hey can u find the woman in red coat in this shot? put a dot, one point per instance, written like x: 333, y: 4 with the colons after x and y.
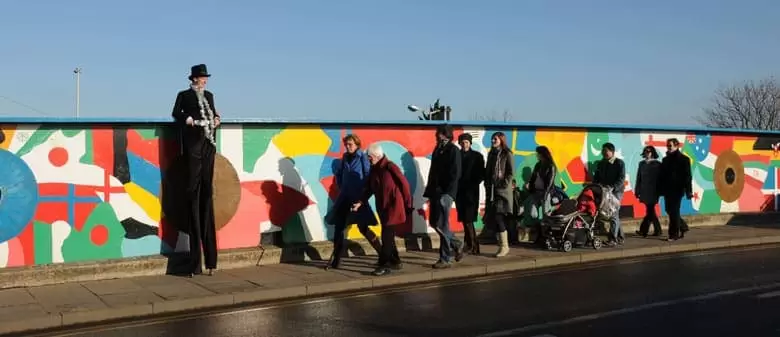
x: 393, y: 201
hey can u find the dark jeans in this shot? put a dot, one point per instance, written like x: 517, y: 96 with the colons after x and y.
x: 673, y: 204
x: 388, y: 255
x: 200, y: 161
x: 650, y: 217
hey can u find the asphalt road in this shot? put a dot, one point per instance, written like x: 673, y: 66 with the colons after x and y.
x: 729, y: 293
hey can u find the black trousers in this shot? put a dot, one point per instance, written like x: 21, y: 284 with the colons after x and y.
x: 499, y: 220
x: 673, y: 204
x: 650, y: 217
x: 340, y: 238
x: 200, y: 155
x: 388, y: 255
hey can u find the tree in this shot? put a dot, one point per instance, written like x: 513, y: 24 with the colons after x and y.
x: 750, y: 105
x: 506, y: 116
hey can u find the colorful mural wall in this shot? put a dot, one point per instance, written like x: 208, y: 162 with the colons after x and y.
x: 80, y: 192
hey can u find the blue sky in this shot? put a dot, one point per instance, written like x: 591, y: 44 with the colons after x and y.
x: 628, y: 62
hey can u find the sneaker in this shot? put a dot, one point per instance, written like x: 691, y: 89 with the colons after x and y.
x: 442, y: 265
x: 381, y: 271
x: 459, y: 254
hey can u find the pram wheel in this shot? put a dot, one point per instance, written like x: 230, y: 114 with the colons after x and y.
x: 596, y: 243
x: 566, y: 246
x: 548, y: 244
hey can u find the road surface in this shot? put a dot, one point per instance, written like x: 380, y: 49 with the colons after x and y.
x: 722, y: 293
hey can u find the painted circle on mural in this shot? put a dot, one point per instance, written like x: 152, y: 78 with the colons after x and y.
x: 227, y: 191
x: 58, y: 156
x: 19, y: 198
x: 99, y: 235
x: 729, y: 176
x: 226, y: 194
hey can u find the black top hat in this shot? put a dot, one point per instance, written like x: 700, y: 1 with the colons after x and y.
x: 199, y: 70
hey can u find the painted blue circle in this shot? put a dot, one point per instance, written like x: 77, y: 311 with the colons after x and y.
x: 18, y: 195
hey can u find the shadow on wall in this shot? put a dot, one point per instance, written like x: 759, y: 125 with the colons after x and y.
x: 283, y: 201
x: 174, y: 200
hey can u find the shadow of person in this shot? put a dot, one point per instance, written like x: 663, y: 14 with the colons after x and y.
x: 282, y: 200
x: 173, y: 199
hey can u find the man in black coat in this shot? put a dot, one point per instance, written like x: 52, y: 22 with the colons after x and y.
x: 195, y: 114
x: 675, y: 181
x: 467, y: 200
x: 441, y: 191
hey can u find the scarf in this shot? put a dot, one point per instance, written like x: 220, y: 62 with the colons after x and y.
x: 207, y: 115
x: 500, y: 165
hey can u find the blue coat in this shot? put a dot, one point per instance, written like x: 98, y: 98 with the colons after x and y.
x: 351, y: 178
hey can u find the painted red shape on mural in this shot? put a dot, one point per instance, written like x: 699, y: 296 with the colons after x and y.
x: 147, y: 149
x: 419, y: 141
x: 27, y: 241
x: 282, y: 201
x: 99, y: 235
x: 329, y: 183
x: 719, y: 144
x: 103, y: 149
x: 58, y: 156
x: 577, y: 171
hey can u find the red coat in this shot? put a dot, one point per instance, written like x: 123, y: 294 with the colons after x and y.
x: 391, y: 192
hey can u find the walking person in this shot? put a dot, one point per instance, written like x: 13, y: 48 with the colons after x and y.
x: 195, y: 114
x: 441, y: 191
x: 540, y: 187
x: 675, y: 181
x: 499, y: 201
x: 611, y: 171
x: 646, y: 190
x: 351, y: 177
x: 393, y: 200
x: 467, y: 200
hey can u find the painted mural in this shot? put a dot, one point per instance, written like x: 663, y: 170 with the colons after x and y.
x: 76, y: 193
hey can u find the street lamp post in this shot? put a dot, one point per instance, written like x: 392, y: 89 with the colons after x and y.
x: 77, y: 71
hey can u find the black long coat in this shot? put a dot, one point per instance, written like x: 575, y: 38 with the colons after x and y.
x: 472, y: 175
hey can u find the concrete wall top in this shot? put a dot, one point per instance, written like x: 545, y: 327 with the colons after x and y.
x: 487, y: 124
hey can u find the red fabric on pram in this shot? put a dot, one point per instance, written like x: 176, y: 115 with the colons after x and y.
x: 586, y: 203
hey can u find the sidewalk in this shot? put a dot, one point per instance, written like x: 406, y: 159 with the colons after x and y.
x: 84, y: 302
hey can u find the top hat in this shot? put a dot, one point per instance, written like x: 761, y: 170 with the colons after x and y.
x: 199, y: 70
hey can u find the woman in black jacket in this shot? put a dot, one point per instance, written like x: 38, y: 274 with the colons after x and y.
x: 539, y: 186
x: 467, y: 201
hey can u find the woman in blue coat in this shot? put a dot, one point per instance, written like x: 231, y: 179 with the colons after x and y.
x: 351, y: 177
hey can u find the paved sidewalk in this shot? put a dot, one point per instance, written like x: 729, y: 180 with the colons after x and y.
x: 49, y: 306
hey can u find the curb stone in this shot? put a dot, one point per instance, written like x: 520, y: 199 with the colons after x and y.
x: 264, y: 295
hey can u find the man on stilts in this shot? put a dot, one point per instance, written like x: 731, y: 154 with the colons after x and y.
x: 198, y: 119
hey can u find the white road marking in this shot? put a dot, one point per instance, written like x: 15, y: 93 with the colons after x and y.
x: 605, y: 314
x: 769, y: 294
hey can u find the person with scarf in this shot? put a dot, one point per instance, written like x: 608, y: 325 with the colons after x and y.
x: 441, y: 191
x: 351, y: 176
x: 675, y: 182
x: 467, y: 201
x: 198, y: 119
x: 499, y: 200
x: 540, y: 187
x: 646, y: 190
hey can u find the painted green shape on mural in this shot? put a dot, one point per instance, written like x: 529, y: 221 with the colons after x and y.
x: 79, y: 245
x: 572, y: 189
x: 43, y: 241
x: 594, y: 141
x: 88, y: 157
x: 255, y: 142
x: 41, y: 136
x: 710, y: 202
x: 292, y: 231
x: 147, y: 133
x: 705, y: 172
x: 524, y: 167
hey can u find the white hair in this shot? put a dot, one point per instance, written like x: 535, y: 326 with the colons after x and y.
x: 375, y: 150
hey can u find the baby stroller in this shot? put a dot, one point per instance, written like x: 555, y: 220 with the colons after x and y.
x: 567, y: 226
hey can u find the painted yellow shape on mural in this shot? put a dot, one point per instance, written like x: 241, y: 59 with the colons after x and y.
x: 354, y: 232
x: 745, y: 147
x: 300, y: 140
x: 146, y: 200
x: 564, y: 145
x: 8, y: 132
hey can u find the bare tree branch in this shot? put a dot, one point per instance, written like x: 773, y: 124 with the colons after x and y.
x: 751, y: 105
x: 506, y: 116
